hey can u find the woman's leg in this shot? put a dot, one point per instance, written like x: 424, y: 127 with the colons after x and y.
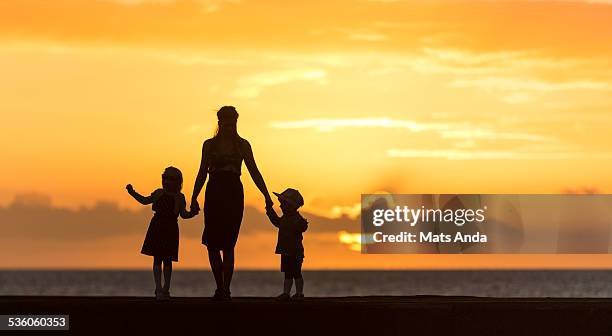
x: 228, y: 268
x: 216, y: 265
x: 157, y: 261
x: 167, y: 274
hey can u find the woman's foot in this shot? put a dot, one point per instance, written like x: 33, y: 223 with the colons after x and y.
x: 283, y: 297
x: 220, y: 295
x: 159, y: 294
x: 165, y: 295
x: 298, y: 297
x: 162, y: 295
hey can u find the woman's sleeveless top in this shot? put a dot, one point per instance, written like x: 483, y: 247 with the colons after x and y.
x: 219, y: 161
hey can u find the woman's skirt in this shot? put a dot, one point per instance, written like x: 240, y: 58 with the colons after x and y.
x: 162, y: 239
x: 223, y: 208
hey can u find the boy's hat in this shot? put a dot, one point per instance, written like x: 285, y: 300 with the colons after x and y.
x: 291, y: 196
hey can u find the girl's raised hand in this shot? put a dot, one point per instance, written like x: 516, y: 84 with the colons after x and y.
x: 129, y: 188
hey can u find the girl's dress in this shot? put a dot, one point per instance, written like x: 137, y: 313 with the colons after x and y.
x: 223, y: 200
x: 162, y: 239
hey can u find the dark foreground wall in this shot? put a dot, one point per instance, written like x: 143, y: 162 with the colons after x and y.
x: 322, y: 316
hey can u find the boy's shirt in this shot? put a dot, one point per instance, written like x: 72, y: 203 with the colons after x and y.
x: 290, y: 229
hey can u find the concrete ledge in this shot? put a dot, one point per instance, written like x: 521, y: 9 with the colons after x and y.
x: 324, y: 316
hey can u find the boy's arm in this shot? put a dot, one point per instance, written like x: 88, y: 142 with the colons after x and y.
x: 273, y: 216
x: 144, y: 200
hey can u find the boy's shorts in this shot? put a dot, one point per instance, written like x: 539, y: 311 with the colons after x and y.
x: 291, y: 265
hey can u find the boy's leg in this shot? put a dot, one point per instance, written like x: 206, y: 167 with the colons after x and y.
x: 167, y: 274
x: 157, y: 273
x: 299, y: 281
x: 286, y: 269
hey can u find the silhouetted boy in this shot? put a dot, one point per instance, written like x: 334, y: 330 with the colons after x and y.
x: 289, y: 245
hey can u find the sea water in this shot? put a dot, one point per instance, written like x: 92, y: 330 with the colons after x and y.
x: 200, y: 283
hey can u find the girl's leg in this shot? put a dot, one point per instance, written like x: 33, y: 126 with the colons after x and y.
x: 288, y: 283
x: 228, y: 269
x: 167, y: 274
x: 216, y: 265
x: 157, y: 273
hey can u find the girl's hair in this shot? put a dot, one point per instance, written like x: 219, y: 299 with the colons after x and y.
x: 173, y: 179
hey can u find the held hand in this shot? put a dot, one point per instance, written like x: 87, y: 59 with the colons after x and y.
x: 195, y: 206
x: 193, y: 212
x: 269, y: 203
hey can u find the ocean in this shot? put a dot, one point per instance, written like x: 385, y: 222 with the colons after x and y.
x: 317, y: 283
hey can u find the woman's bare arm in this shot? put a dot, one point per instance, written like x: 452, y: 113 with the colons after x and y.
x: 201, y: 177
x: 183, y: 211
x: 249, y: 161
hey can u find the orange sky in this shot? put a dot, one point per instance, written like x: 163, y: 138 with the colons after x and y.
x: 338, y: 98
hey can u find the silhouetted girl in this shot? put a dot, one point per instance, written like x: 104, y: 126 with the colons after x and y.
x: 222, y: 158
x: 162, y: 239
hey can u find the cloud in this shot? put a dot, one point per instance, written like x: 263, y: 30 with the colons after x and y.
x: 33, y: 217
x: 447, y: 130
x: 608, y: 2
x: 208, y: 5
x: 469, y: 62
x: 251, y: 86
x: 518, y: 84
x: 140, y: 2
x: 469, y: 58
x: 254, y: 25
x: 456, y: 154
x: 352, y: 211
x: 515, y: 76
x: 36, y: 234
x: 333, y: 124
x: 369, y: 37
x: 517, y: 90
x: 353, y: 240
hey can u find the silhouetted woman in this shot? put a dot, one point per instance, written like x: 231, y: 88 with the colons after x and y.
x: 222, y: 157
